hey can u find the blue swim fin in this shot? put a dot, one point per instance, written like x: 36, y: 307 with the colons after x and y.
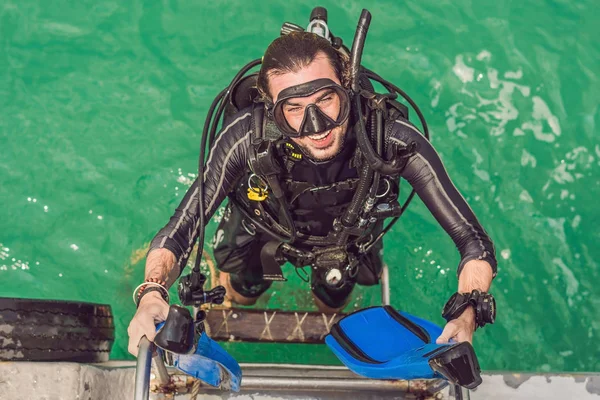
x: 205, y: 359
x: 381, y: 343
x: 211, y: 364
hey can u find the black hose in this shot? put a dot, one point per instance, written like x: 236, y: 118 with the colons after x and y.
x: 365, y: 175
x: 364, y: 183
x: 373, y: 159
x: 211, y: 124
x: 228, y: 90
x: 393, y: 88
x: 392, y: 222
x: 377, y: 131
x: 200, y: 178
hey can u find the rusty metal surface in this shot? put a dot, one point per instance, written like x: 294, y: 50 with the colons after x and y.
x: 272, y: 377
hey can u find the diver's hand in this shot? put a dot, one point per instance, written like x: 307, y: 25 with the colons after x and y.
x: 460, y: 329
x: 152, y: 310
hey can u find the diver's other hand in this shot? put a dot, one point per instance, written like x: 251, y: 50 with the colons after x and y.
x: 152, y: 310
x: 460, y: 329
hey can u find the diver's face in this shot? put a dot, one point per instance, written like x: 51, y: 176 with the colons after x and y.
x: 321, y: 146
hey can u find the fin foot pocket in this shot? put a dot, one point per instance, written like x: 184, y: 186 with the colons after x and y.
x: 458, y: 364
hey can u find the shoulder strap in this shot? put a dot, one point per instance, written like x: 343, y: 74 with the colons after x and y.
x: 258, y: 113
x: 397, y: 109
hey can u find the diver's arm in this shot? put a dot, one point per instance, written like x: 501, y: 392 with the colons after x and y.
x: 152, y: 308
x: 160, y: 265
x: 476, y: 274
x: 171, y: 247
x: 426, y: 173
x: 226, y: 163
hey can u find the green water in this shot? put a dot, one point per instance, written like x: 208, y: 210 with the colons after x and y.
x: 102, y: 104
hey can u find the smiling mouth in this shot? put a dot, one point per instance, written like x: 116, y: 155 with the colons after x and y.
x: 320, y: 137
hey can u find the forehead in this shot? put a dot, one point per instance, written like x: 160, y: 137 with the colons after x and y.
x: 319, y: 68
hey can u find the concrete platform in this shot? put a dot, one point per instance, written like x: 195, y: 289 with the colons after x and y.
x: 115, y: 381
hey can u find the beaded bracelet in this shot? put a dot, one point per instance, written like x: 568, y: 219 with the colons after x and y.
x: 151, y: 280
x: 144, y: 288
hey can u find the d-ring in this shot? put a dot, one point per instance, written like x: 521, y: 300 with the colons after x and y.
x: 258, y: 188
x: 250, y: 229
x: 387, y: 190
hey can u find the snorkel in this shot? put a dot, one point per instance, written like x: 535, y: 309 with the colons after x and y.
x: 376, y: 164
x: 357, y: 48
x: 375, y: 161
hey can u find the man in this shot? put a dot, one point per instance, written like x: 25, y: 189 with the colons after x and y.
x: 303, y: 81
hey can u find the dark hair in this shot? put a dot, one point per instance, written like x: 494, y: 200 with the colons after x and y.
x: 294, y: 51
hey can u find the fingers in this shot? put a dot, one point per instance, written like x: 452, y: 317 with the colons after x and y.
x: 148, y: 329
x: 152, y: 310
x: 456, y: 330
x: 450, y: 330
x: 137, y: 329
x: 132, y: 347
x: 143, y: 325
x: 135, y: 335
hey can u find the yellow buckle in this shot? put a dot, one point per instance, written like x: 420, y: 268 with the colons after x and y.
x: 257, y: 195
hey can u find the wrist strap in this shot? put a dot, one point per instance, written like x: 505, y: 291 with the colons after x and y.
x: 145, y: 287
x: 151, y: 289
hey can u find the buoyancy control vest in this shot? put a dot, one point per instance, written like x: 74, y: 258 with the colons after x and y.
x: 286, y: 205
x: 302, y: 202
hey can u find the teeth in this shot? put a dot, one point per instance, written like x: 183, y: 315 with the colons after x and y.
x: 321, y: 136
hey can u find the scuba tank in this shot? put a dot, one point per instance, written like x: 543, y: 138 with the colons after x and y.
x: 318, y: 23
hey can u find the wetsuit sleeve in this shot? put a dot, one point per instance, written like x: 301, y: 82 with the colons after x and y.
x: 227, y: 162
x: 426, y: 174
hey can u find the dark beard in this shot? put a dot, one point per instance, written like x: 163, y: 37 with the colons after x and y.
x: 307, y: 151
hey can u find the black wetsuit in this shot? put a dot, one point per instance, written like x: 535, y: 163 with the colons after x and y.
x: 237, y: 250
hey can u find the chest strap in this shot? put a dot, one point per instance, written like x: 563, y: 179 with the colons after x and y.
x: 296, y: 188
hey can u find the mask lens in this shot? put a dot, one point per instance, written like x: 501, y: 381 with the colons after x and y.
x: 310, y: 108
x: 328, y: 102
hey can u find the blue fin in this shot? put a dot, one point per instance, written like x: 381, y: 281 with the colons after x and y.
x: 381, y: 343
x: 211, y: 364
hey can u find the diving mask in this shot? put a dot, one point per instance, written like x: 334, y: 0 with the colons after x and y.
x: 330, y: 108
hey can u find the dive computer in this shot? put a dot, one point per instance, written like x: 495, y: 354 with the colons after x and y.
x: 483, y: 303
